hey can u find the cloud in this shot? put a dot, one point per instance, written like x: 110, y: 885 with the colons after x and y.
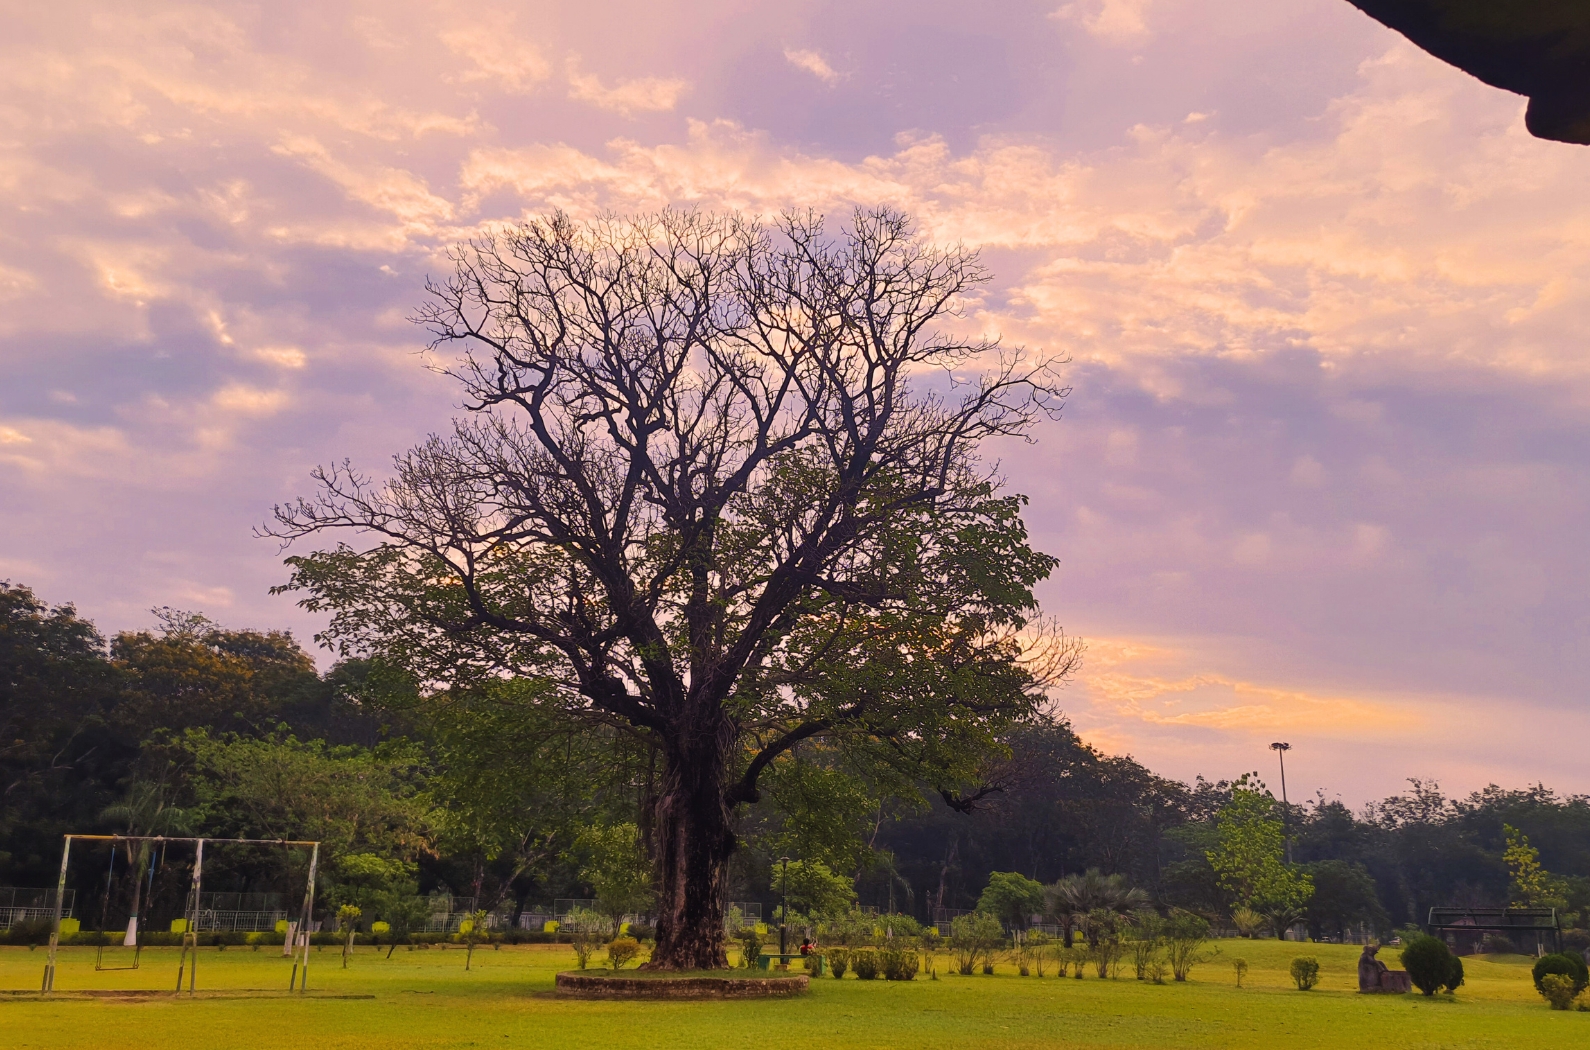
x: 1115, y: 21
x: 1155, y: 683
x: 813, y: 63
x: 497, y: 56
x: 400, y: 193
x: 281, y: 356
x: 627, y: 97
x: 1323, y: 450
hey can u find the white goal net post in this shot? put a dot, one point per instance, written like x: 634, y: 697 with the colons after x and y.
x: 193, y: 910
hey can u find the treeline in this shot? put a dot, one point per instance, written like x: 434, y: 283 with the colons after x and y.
x: 489, y: 793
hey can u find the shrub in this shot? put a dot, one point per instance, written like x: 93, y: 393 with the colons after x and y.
x: 621, y: 950
x: 889, y: 926
x: 839, y: 961
x: 1241, y: 968
x: 1429, y: 963
x: 899, y: 964
x: 1247, y: 921
x: 1565, y: 965
x: 750, y: 945
x: 1147, y: 931
x: 1305, y: 971
x: 1454, y: 974
x: 1185, y: 936
x: 865, y: 962
x: 975, y: 937
x: 1558, y: 990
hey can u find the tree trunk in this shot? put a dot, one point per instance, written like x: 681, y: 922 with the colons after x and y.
x: 694, y: 838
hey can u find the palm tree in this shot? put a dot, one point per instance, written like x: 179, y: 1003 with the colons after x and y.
x: 144, y: 810
x: 1075, y: 896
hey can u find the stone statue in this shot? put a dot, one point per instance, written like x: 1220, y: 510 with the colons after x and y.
x: 1374, y: 976
x: 1370, y: 969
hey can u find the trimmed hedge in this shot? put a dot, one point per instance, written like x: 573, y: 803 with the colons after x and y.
x: 1568, y: 964
x: 1431, y: 965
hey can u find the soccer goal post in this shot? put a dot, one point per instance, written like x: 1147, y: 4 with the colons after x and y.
x: 199, y: 909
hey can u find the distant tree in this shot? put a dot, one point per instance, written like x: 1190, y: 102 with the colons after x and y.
x: 401, y: 907
x: 348, y: 923
x: 816, y: 811
x: 357, y: 802
x: 513, y: 781
x: 61, y: 758
x: 1247, y: 857
x: 191, y: 673
x: 614, y: 863
x: 1531, y: 884
x: 722, y: 485
x: 813, y: 889
x: 1344, y: 896
x: 1073, y: 899
x: 147, y: 808
x: 1012, y: 897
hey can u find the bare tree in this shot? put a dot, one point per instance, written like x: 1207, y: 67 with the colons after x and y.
x: 720, y: 483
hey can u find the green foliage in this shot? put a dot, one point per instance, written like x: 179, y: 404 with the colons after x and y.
x: 620, y: 951
x: 899, y: 963
x: 613, y: 862
x: 891, y: 926
x: 1247, y: 856
x: 852, y: 928
x: 1530, y: 884
x: 819, y: 812
x: 975, y: 937
x: 368, y: 880
x: 587, y: 931
x: 1240, y: 967
x: 355, y: 800
x: 1559, y: 990
x: 1012, y: 897
x: 750, y: 945
x: 1566, y: 964
x: 1147, y: 931
x: 865, y: 962
x: 1344, y: 896
x: 814, y: 889
x: 1185, y: 936
x: 512, y: 778
x: 838, y: 961
x: 348, y: 923
x: 1081, y: 900
x: 1429, y: 963
x: 1247, y: 921
x: 1305, y: 972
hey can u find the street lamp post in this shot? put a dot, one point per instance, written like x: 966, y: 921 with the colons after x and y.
x: 1280, y: 750
x: 783, y: 909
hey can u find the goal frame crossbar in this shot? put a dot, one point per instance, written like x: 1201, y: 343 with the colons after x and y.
x: 298, y: 933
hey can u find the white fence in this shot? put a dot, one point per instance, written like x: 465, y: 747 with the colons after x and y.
x: 26, y: 904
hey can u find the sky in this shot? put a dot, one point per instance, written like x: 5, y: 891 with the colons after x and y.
x: 1322, y: 477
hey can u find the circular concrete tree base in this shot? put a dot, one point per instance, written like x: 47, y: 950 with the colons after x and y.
x: 655, y: 984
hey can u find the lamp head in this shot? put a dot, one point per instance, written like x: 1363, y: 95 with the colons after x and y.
x: 1279, y: 746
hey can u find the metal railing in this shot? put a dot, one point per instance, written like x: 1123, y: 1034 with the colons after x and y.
x: 30, y: 904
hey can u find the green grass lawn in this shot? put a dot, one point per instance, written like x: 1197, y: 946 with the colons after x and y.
x: 426, y: 999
